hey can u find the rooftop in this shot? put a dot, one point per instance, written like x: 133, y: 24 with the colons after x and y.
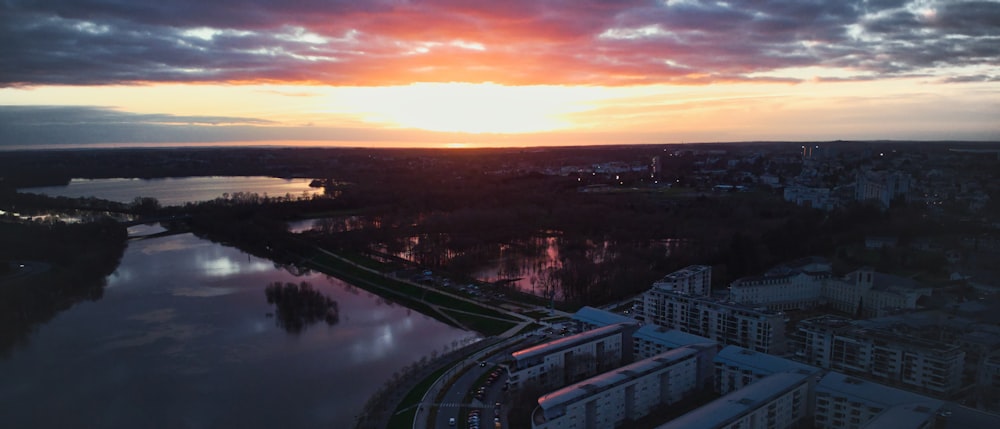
x: 735, y: 405
x: 570, y: 341
x: 721, y: 303
x: 883, y: 281
x: 686, y: 272
x: 760, y: 363
x: 869, y: 392
x: 906, y: 416
x: 672, y: 338
x: 596, y: 316
x: 611, y: 379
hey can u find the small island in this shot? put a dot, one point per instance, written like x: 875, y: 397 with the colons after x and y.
x: 299, y: 305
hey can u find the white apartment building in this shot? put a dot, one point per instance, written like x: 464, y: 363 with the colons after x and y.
x: 651, y: 340
x: 692, y: 280
x: 926, y: 366
x: 737, y: 367
x: 778, y: 401
x: 564, y: 360
x: 627, y: 393
x: 809, y: 282
x: 845, y: 402
x: 724, y: 322
x: 794, y: 285
x: 870, y: 294
x: 882, y: 186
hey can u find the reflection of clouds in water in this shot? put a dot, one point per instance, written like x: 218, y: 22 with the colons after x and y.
x: 381, y: 343
x: 175, y: 332
x: 204, y: 292
x: 156, y: 316
x: 121, y: 276
x: 172, y: 245
x: 225, y: 266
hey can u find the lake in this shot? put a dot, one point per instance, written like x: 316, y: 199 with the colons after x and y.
x: 179, y: 190
x: 183, y: 337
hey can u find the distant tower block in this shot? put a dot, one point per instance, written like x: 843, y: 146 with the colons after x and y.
x: 656, y: 168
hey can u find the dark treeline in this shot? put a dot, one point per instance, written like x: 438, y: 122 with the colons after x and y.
x: 458, y: 211
x: 69, y: 264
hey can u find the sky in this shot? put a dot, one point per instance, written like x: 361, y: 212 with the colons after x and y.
x: 459, y: 73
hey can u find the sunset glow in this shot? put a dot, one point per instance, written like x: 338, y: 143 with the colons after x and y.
x: 519, y: 73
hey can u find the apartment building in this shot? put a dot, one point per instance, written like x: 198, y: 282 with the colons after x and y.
x: 845, y: 402
x: 778, y: 401
x: 627, y: 393
x: 808, y: 282
x: 988, y: 381
x: 589, y: 317
x: 758, y: 329
x: 919, y: 364
x: 793, y: 285
x: 870, y: 294
x: 737, y: 367
x: 651, y: 340
x: 562, y: 361
x: 692, y: 280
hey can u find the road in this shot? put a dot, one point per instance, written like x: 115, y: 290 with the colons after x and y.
x: 451, y: 406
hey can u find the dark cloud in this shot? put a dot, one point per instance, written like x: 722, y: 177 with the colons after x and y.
x: 67, y: 126
x: 35, y: 116
x: 972, y: 78
x: 92, y: 42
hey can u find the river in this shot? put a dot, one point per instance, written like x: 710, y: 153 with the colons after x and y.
x: 183, y: 338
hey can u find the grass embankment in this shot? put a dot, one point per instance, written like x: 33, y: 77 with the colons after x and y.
x: 404, y: 420
x: 415, y: 297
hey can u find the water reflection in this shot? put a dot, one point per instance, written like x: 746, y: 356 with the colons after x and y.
x: 181, y: 190
x: 148, y: 356
x: 299, y: 305
x: 550, y: 266
x: 225, y: 267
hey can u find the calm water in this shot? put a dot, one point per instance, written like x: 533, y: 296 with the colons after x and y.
x: 181, y: 339
x: 177, y: 191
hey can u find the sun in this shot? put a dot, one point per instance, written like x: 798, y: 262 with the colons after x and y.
x: 466, y: 107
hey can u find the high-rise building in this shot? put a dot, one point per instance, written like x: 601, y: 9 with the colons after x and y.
x: 692, y: 280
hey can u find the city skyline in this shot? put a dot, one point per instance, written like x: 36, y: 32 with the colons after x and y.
x: 453, y: 74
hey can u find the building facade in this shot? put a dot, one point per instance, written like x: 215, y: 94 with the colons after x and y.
x: 625, y: 394
x: 651, y: 340
x: 568, y: 359
x: 736, y: 367
x: 845, y: 402
x: 724, y: 322
x: 795, y: 285
x: 692, y: 280
x: 867, y: 293
x: 926, y: 366
x: 778, y: 401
